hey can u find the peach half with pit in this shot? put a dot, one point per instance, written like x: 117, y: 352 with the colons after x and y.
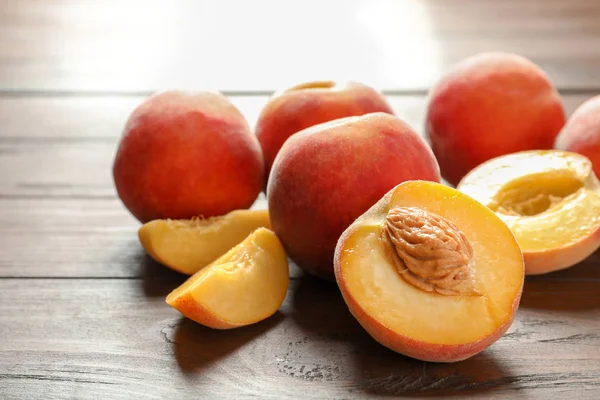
x: 550, y: 200
x: 430, y: 272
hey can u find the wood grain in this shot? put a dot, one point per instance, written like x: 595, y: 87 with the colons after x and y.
x: 59, y: 215
x: 91, y: 238
x: 82, y: 311
x: 118, y: 339
x: 70, y: 153
x: 115, y: 46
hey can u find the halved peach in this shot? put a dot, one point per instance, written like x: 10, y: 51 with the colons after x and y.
x: 430, y: 273
x: 244, y: 286
x: 550, y: 199
x: 187, y: 245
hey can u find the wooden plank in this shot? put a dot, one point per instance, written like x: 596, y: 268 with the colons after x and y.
x: 101, y: 118
x: 118, y: 339
x: 93, y: 117
x: 112, y: 46
x: 76, y: 238
x: 59, y: 216
x: 87, y: 238
x: 72, y: 155
x: 91, y: 238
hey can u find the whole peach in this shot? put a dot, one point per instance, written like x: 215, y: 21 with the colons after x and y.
x: 299, y: 107
x: 581, y: 134
x: 327, y: 175
x: 187, y: 154
x: 489, y: 105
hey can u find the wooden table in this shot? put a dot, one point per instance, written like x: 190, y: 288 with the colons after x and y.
x: 82, y: 311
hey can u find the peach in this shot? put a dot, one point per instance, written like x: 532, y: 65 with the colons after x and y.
x: 294, y: 109
x: 188, y: 245
x: 327, y: 175
x: 184, y: 155
x: 421, y: 272
x: 581, y: 134
x: 549, y: 199
x: 244, y: 286
x: 489, y: 105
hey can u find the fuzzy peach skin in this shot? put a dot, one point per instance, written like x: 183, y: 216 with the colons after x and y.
x: 499, y: 279
x: 326, y: 176
x: 184, y: 155
x: 488, y: 105
x: 294, y: 109
x: 581, y: 134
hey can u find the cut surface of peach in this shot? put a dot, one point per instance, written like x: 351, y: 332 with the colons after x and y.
x: 189, y: 245
x: 242, y: 287
x: 549, y: 199
x: 430, y: 273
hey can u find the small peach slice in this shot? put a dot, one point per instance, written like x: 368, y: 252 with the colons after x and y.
x: 430, y: 273
x: 549, y: 199
x: 244, y: 286
x: 187, y: 245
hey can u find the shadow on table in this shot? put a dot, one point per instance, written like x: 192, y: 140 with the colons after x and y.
x: 557, y: 295
x: 157, y: 280
x: 360, y: 364
x: 571, y: 289
x: 198, y: 347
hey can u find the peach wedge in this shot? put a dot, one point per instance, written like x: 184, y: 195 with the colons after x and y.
x: 244, y: 286
x: 187, y: 245
x: 430, y: 273
x: 550, y: 199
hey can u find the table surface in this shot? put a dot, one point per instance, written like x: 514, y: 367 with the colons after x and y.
x: 82, y: 311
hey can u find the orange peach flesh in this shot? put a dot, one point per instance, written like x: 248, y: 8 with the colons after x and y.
x: 420, y: 324
x: 246, y: 285
x: 187, y: 246
x: 549, y: 199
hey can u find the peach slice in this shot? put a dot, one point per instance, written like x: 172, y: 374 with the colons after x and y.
x: 244, y: 286
x: 187, y: 245
x: 430, y: 273
x: 549, y: 199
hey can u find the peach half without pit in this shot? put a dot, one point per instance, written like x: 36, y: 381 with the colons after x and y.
x: 187, y: 245
x: 430, y: 273
x: 549, y: 199
x: 244, y: 286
